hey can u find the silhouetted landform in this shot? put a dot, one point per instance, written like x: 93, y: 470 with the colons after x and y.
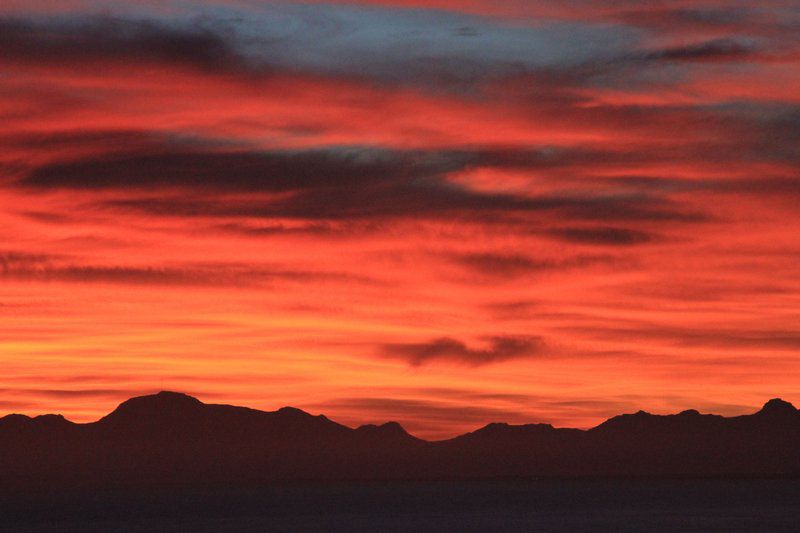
x: 171, y: 438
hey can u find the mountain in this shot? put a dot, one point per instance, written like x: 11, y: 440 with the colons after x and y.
x: 171, y: 438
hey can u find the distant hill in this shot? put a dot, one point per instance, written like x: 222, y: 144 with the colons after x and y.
x: 171, y: 438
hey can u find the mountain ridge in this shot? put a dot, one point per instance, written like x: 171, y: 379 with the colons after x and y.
x: 166, y: 401
x: 172, y: 438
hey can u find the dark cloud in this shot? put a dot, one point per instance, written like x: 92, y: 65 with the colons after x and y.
x: 174, y: 163
x: 451, y: 350
x: 733, y: 19
x: 46, y: 267
x: 721, y: 16
x: 632, y: 208
x: 719, y: 291
x: 714, y: 50
x: 238, y: 171
x: 339, y: 184
x: 781, y: 186
x: 429, y: 200
x: 338, y: 42
x: 97, y: 39
x: 501, y: 265
x: 733, y: 339
x: 514, y: 309
x: 512, y: 265
x: 269, y: 230
x: 348, y: 183
x: 310, y: 229
x: 49, y: 268
x: 43, y: 216
x: 603, y: 235
x: 116, y: 274
x: 11, y: 260
x: 424, y: 48
x: 433, y: 199
x: 701, y: 18
x: 79, y: 140
x: 659, y: 188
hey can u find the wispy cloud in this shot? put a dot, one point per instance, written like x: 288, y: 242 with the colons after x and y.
x: 455, y: 351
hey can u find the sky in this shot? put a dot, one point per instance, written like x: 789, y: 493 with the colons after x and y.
x: 444, y: 213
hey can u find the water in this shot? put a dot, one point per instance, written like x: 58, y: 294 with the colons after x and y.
x: 619, y: 505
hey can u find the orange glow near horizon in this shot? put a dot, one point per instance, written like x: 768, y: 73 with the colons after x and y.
x: 445, y: 239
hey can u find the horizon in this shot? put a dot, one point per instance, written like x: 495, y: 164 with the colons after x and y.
x: 166, y: 393
x: 442, y: 213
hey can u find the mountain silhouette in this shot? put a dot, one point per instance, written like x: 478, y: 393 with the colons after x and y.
x: 778, y: 408
x: 171, y: 438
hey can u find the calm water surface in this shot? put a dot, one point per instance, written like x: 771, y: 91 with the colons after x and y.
x: 697, y: 505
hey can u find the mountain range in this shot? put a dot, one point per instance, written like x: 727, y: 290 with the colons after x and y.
x: 172, y: 438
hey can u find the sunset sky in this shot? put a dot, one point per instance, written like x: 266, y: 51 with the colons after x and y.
x: 444, y: 213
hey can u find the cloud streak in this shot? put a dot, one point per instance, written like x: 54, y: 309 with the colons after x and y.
x: 48, y: 268
x: 454, y: 351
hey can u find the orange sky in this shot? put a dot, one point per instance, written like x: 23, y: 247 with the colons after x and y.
x: 483, y: 212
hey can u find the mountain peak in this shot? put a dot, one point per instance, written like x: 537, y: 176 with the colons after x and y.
x: 503, y: 428
x: 14, y: 420
x: 777, y: 406
x: 292, y: 411
x: 394, y: 427
x: 164, y: 403
x: 171, y: 396
x: 388, y: 429
x: 41, y: 421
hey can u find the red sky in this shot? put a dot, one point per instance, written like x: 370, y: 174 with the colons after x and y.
x: 486, y: 211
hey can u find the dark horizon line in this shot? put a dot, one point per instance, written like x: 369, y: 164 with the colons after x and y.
x: 773, y: 404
